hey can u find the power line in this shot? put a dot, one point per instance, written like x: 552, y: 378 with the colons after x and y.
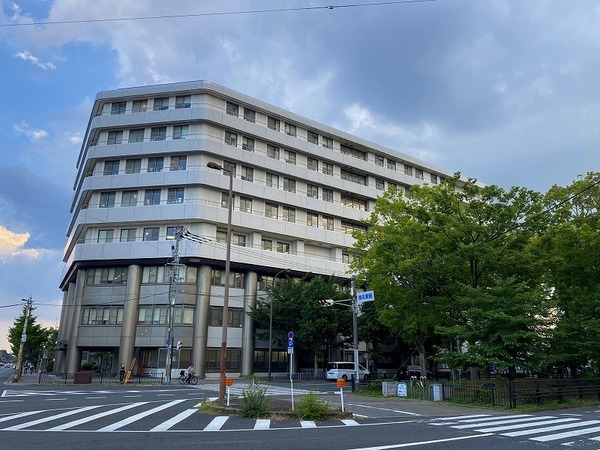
x: 213, y: 14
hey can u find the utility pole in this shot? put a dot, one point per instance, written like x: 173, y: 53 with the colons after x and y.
x: 354, y: 324
x: 17, y: 375
x: 173, y: 274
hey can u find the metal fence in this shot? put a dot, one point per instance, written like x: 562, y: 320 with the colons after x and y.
x: 504, y: 393
x: 98, y: 378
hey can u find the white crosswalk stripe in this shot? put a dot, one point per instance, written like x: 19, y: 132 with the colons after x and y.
x: 83, y: 420
x: 48, y: 419
x: 136, y: 417
x: 535, y: 428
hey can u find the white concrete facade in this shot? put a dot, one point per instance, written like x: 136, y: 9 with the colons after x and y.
x: 300, y: 188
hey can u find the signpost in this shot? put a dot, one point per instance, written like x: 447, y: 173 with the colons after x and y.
x: 291, y: 353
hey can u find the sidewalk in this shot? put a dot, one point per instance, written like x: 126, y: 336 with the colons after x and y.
x: 25, y: 380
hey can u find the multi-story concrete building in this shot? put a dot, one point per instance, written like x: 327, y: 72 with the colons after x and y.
x: 300, y: 189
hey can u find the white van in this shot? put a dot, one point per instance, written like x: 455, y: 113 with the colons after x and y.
x: 344, y: 370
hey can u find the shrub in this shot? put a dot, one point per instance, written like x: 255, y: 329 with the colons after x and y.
x: 50, y: 366
x: 255, y: 402
x: 311, y: 407
x: 87, y: 365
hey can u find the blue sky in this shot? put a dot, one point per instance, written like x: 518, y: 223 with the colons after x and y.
x: 505, y: 91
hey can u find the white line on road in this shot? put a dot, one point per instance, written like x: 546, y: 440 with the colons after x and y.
x: 174, y: 420
x: 554, y: 428
x: 262, y: 424
x: 94, y: 417
x: 308, y: 424
x: 216, y: 423
x: 414, y: 444
x: 122, y: 423
x: 50, y: 418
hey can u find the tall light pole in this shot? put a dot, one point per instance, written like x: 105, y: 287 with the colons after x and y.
x: 17, y: 375
x: 354, y: 324
x: 222, y: 366
x: 271, y: 318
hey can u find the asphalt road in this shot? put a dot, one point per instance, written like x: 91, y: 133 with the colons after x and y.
x: 134, y: 416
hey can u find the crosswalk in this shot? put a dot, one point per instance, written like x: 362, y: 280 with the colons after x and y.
x: 145, y: 416
x: 566, y: 430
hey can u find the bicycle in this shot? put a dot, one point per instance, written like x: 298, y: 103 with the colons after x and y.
x: 183, y: 379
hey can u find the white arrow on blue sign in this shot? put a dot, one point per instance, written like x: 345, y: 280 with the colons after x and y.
x: 290, y: 343
x: 367, y: 296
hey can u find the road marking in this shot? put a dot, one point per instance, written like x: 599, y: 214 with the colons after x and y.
x: 499, y: 421
x: 414, y: 444
x: 554, y: 428
x: 523, y: 425
x: 50, y: 418
x: 18, y: 416
x: 350, y: 422
x: 54, y: 399
x: 566, y: 434
x: 127, y: 421
x: 94, y: 417
x: 174, y: 420
x: 308, y: 424
x: 262, y: 424
x: 408, y: 413
x: 216, y: 423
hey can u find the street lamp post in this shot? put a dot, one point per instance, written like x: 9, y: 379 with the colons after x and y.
x: 271, y: 319
x: 19, y: 366
x: 222, y: 367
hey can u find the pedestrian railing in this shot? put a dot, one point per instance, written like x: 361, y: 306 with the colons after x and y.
x: 86, y: 377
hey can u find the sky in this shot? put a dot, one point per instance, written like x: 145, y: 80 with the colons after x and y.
x: 505, y: 91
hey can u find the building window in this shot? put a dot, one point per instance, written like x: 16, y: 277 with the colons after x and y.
x: 140, y: 106
x: 328, y: 195
x: 312, y: 164
x: 128, y: 235
x: 267, y: 244
x: 358, y: 154
x: 183, y: 101
x: 249, y: 115
x: 355, y: 203
x: 175, y: 195
x: 274, y: 124
x: 105, y: 236
x: 290, y: 129
x: 107, y: 315
x: 233, y: 109
x: 156, y: 164
x: 391, y: 164
x: 346, y: 258
x: 129, y: 198
x: 289, y: 185
x: 312, y: 219
x: 181, y: 131
x: 111, y: 167
x: 289, y: 214
x: 312, y: 137
x: 349, y: 228
x: 152, y: 197
x: 115, y: 137
x: 327, y: 142
x: 160, y: 104
x: 379, y: 160
x: 419, y: 174
x: 105, y: 275
x: 171, y: 233
x: 434, y: 179
x: 107, y: 199
x: 230, y: 138
x: 136, y: 135
x: 248, y: 144
x: 239, y: 239
x: 328, y: 223
x: 289, y: 157
x: 408, y: 170
x: 245, y: 204
x: 328, y: 168
x: 379, y: 184
x: 272, y: 151
x: 118, y: 108
x: 247, y: 173
x: 235, y: 316
x: 236, y: 279
x: 133, y: 165
x: 353, y: 177
x: 151, y: 234
x: 178, y: 162
x: 224, y: 199
x: 271, y: 210
x: 158, y: 133
x: 312, y: 191
x: 272, y: 180
x: 283, y: 247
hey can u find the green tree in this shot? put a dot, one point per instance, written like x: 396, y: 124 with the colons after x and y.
x: 297, y: 308
x: 442, y: 256
x: 571, y: 248
x: 36, y: 336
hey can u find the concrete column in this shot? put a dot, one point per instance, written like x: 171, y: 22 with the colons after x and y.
x: 201, y: 315
x: 130, y: 315
x: 73, y: 356
x: 63, y: 328
x: 250, y: 288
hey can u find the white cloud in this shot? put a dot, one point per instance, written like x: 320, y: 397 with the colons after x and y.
x: 32, y: 134
x: 26, y: 56
x: 11, y: 245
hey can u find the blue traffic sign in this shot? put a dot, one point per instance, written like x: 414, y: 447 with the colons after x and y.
x: 291, y: 335
x: 290, y: 343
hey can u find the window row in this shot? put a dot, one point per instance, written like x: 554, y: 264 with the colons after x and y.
x: 159, y: 315
x: 163, y: 274
x: 152, y: 164
x: 109, y: 235
x: 102, y: 315
x: 133, y: 135
x: 108, y: 199
x: 106, y: 275
x: 151, y: 104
